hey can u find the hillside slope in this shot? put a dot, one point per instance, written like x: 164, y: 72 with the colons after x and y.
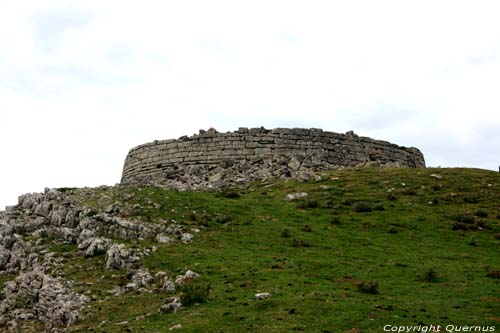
x: 363, y: 249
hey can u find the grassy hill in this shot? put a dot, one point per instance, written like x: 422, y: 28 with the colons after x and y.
x: 365, y: 248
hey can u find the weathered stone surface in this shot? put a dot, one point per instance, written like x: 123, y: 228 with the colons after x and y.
x: 293, y: 196
x: 95, y: 246
x: 119, y: 257
x: 261, y: 296
x: 214, y: 160
x: 172, y: 304
x: 142, y: 278
x: 41, y: 296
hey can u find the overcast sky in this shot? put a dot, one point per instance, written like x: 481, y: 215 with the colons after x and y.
x: 82, y: 82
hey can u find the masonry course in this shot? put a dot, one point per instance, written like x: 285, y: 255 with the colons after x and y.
x: 247, y: 152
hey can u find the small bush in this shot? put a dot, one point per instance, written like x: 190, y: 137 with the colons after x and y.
x: 464, y: 218
x: 285, y: 233
x: 307, y: 227
x: 431, y: 275
x: 368, y: 287
x: 347, y: 202
x: 363, y: 207
x: 481, y: 213
x: 65, y: 189
x: 473, y: 241
x: 482, y: 224
x: 493, y: 273
x: 497, y: 236
x: 459, y: 226
x: 471, y: 200
x: 299, y: 243
x: 335, y: 220
x: 230, y: 194
x: 122, y: 280
x: 391, y: 197
x: 223, y: 218
x: 409, y: 191
x: 312, y: 203
x: 393, y: 230
x: 378, y: 207
x: 195, y: 292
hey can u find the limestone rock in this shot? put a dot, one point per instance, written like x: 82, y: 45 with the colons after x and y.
x: 119, y: 257
x: 142, y: 278
x: 163, y: 239
x: 37, y: 295
x: 95, y: 246
x: 262, y: 296
x: 293, y: 196
x: 186, y: 238
x: 172, y: 304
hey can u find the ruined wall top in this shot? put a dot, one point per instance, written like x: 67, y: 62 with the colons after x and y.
x: 213, y: 159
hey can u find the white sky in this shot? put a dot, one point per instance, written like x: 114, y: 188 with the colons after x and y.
x: 82, y: 82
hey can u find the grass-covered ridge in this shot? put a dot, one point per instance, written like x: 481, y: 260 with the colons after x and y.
x: 382, y: 246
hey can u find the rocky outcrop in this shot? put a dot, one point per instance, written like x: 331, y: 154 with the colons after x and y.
x: 36, y: 295
x: 38, y: 292
x: 214, y: 160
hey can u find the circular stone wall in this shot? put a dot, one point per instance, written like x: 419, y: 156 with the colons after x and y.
x: 209, y: 158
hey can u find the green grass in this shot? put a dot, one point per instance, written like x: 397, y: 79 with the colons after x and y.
x: 241, y: 251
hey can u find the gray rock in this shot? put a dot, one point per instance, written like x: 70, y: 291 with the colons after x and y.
x: 168, y: 286
x: 172, y: 304
x: 119, y: 257
x: 37, y: 295
x: 95, y: 246
x: 186, y: 238
x: 293, y: 196
x: 163, y: 239
x: 142, y: 278
x: 262, y: 296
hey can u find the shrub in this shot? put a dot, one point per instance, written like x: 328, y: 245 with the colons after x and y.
x: 285, y: 233
x: 299, y: 243
x: 312, y: 203
x: 409, y: 192
x: 431, y: 275
x: 378, y: 207
x: 335, y: 220
x: 391, y: 197
x: 307, y: 227
x: 464, y: 218
x: 223, y: 218
x: 473, y: 241
x: 195, y: 292
x: 303, y: 204
x: 497, y: 236
x: 481, y: 213
x: 347, y: 202
x: 482, y: 224
x: 493, y: 273
x: 472, y: 200
x: 393, y: 230
x: 368, y: 287
x: 436, y: 187
x: 363, y: 207
x: 459, y: 226
x: 230, y: 194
